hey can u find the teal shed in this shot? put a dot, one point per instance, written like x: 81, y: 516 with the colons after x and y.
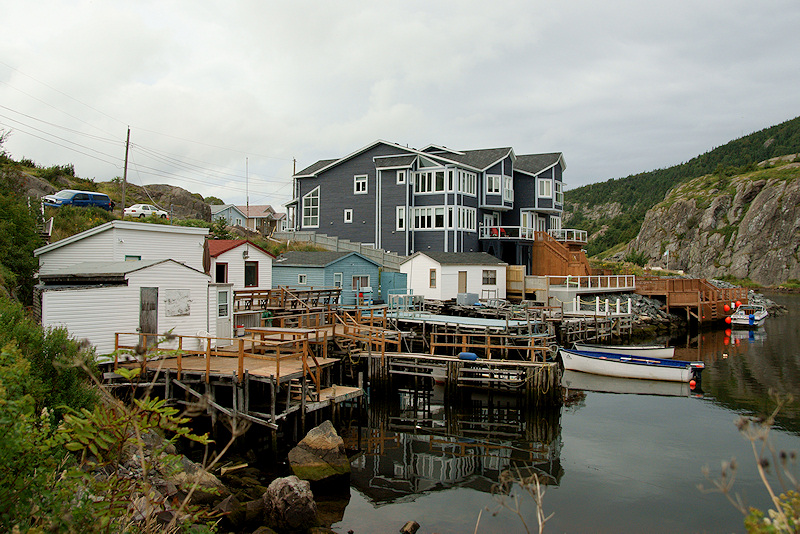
x: 318, y: 269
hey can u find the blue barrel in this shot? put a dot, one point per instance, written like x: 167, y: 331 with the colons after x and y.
x: 471, y: 356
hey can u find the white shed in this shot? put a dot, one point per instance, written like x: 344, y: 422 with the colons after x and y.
x: 443, y: 275
x: 94, y: 300
x: 124, y: 240
x: 241, y: 263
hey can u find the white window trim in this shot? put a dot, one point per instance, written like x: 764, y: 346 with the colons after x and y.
x: 559, y: 192
x: 360, y: 179
x: 309, y: 196
x: 545, y: 188
x: 348, y: 216
x: 359, y: 276
x: 400, y: 218
x: 508, y: 189
x: 302, y: 279
x: 494, y: 184
x: 401, y: 177
x: 337, y: 279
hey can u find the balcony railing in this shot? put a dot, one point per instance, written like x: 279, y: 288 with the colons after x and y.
x: 569, y: 234
x: 506, y: 232
x: 522, y: 233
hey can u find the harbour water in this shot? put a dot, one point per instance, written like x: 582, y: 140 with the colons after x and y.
x: 620, y: 457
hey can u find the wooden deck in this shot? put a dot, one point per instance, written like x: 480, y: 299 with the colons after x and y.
x: 700, y: 299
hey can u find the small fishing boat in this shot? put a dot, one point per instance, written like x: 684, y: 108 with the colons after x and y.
x: 649, y: 351
x: 749, y: 316
x: 626, y: 366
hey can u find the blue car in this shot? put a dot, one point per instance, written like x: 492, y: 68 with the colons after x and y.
x: 78, y: 198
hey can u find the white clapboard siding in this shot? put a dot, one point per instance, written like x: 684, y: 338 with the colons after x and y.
x: 97, y: 313
x: 94, y: 314
x: 418, y: 270
x: 115, y: 240
x: 235, y: 263
x: 97, y: 247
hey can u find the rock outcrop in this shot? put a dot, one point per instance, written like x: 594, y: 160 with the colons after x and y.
x: 745, y: 226
x: 320, y: 454
x: 289, y: 505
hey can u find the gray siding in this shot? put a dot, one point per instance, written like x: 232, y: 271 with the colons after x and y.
x: 336, y: 195
x: 393, y: 195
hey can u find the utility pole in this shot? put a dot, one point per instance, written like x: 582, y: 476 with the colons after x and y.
x: 125, y: 170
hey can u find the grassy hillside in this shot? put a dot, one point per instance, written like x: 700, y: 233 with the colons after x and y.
x: 639, y: 192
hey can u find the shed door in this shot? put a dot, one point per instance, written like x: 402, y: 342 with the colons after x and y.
x: 148, y: 314
x: 462, y: 281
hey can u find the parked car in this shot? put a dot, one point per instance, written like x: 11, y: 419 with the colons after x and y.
x: 145, y: 210
x: 72, y: 197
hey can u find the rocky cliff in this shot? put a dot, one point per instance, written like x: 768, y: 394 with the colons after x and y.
x: 745, y: 226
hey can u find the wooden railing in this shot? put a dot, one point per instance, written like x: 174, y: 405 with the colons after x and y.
x: 208, y: 347
x: 375, y: 337
x: 285, y: 298
x: 535, y: 347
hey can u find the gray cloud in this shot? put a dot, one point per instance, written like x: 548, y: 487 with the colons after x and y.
x: 620, y: 87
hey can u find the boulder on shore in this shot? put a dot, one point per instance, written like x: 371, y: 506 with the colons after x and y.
x: 320, y: 454
x: 289, y: 505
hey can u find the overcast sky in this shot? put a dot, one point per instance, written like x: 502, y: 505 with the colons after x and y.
x: 222, y: 96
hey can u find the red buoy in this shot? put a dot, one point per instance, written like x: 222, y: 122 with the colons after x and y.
x: 728, y: 320
x: 726, y: 308
x: 727, y: 331
x: 692, y: 384
x: 738, y: 303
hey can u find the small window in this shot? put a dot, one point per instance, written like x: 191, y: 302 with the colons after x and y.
x: 545, y: 188
x: 221, y: 273
x: 401, y: 177
x: 222, y: 304
x: 493, y: 182
x: 348, y: 215
x: 302, y: 279
x: 559, y: 192
x: 489, y: 277
x: 337, y: 279
x: 132, y: 258
x: 238, y: 221
x: 250, y: 273
x: 360, y: 184
x: 433, y: 278
x: 400, y: 218
x: 360, y: 281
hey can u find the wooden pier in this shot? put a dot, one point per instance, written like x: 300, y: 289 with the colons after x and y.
x: 700, y: 299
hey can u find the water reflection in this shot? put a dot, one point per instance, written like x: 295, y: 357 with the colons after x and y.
x: 423, y: 444
x: 743, y: 366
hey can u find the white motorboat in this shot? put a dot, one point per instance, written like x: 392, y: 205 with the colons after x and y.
x: 749, y: 316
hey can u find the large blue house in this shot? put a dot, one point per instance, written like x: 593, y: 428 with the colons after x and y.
x: 409, y: 200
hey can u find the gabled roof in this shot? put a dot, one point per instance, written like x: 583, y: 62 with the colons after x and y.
x: 536, y: 163
x: 257, y: 211
x: 102, y: 271
x: 482, y: 158
x: 216, y: 210
x: 124, y: 225
x: 314, y: 258
x: 459, y: 258
x: 436, y: 149
x: 321, y: 165
x: 220, y: 246
x: 388, y: 162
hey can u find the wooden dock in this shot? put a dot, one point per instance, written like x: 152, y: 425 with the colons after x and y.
x: 697, y: 297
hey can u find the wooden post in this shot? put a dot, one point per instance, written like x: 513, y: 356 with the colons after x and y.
x: 240, y: 375
x: 208, y: 360
x: 116, y: 348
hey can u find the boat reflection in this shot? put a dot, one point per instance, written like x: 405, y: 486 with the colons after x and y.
x: 609, y: 384
x: 423, y: 444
